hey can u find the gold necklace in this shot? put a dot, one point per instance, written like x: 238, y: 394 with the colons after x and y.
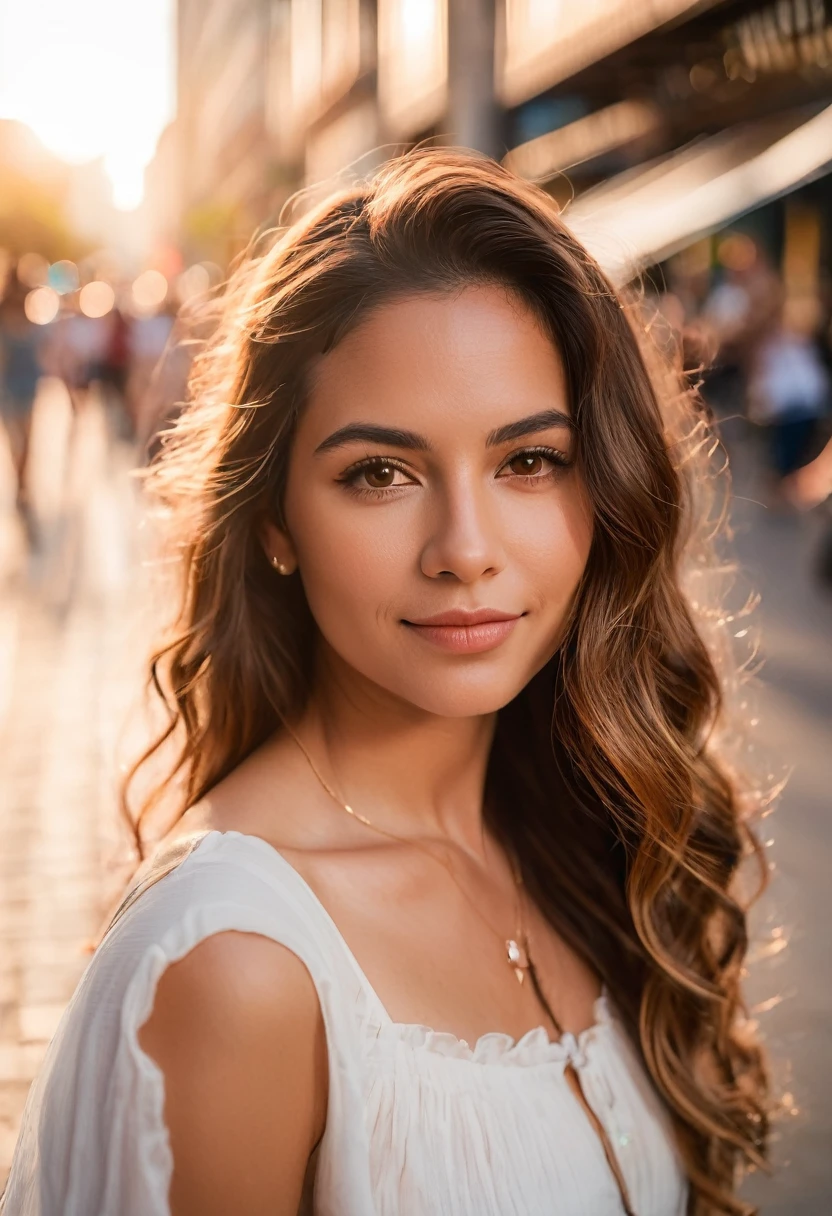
x: 518, y: 955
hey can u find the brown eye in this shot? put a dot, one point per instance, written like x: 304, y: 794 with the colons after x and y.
x: 527, y: 464
x: 380, y: 476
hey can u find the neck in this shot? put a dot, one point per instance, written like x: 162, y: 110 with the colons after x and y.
x: 408, y: 771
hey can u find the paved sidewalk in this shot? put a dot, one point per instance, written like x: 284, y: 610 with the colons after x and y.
x: 63, y: 692
x: 792, y: 981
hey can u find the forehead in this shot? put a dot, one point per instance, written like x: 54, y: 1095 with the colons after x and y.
x: 477, y: 358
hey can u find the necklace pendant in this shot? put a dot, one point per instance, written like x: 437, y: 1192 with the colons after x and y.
x: 517, y: 959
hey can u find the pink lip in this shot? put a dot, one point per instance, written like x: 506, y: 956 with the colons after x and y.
x: 466, y: 617
x: 466, y: 632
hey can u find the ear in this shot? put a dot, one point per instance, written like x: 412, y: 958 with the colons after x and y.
x: 278, y: 547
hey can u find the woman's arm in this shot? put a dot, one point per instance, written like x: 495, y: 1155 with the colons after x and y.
x: 237, y: 1031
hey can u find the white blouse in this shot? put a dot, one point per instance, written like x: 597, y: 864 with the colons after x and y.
x: 418, y: 1122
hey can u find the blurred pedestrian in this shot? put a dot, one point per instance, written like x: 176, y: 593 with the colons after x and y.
x: 77, y: 349
x: 167, y: 390
x: 739, y: 307
x: 113, y: 370
x: 788, y: 395
x: 148, y: 339
x: 20, y: 371
x: 809, y: 487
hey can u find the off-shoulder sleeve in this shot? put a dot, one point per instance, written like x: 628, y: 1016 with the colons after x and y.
x: 93, y: 1140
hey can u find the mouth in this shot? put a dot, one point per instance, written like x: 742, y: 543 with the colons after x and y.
x: 466, y: 632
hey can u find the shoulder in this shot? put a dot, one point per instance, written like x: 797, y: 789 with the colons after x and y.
x: 235, y: 976
x: 226, y: 912
x: 205, y: 866
x: 231, y: 921
x: 236, y: 1029
x: 235, y: 996
x: 210, y: 975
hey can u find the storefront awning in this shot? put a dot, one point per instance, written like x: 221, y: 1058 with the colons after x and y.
x: 643, y: 216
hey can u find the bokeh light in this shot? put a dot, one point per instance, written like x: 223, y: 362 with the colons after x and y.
x: 149, y: 291
x: 96, y: 299
x: 63, y: 277
x: 33, y: 270
x: 41, y: 305
x: 737, y: 252
x: 195, y: 281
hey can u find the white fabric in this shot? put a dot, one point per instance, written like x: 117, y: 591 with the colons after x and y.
x: 418, y: 1122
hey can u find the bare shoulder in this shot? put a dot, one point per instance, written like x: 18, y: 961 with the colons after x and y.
x: 235, y: 993
x: 271, y: 795
x: 236, y: 973
x: 237, y: 1031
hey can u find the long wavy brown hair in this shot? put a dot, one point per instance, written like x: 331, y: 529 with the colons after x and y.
x: 603, y: 775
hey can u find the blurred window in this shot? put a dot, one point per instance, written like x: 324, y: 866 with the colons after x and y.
x: 587, y: 137
x: 413, y: 63
x: 341, y: 46
x: 307, y: 60
x: 548, y: 40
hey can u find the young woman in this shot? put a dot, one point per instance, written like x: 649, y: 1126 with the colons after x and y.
x: 447, y: 926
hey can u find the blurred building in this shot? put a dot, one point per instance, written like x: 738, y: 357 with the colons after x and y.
x: 221, y: 124
x: 162, y: 207
x: 89, y: 208
x: 271, y: 94
x: 667, y: 132
x: 666, y: 119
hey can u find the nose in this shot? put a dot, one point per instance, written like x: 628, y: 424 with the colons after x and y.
x: 464, y: 541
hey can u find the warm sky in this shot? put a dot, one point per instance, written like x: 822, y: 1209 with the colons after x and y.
x: 91, y: 78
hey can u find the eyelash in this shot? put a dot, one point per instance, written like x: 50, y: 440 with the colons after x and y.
x: 559, y: 459
x: 349, y: 479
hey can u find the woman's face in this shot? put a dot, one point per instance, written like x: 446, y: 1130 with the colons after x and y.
x: 432, y: 504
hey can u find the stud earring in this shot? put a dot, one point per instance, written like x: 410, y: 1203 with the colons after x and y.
x: 280, y: 567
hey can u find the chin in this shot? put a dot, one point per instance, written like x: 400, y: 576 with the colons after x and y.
x: 460, y: 695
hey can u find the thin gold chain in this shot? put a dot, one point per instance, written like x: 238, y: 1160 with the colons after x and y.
x: 522, y: 936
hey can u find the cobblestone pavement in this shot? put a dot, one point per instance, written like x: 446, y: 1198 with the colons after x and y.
x: 66, y: 680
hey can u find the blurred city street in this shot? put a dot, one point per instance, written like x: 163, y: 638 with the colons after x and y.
x: 64, y: 618
x: 776, y: 553
x: 70, y: 671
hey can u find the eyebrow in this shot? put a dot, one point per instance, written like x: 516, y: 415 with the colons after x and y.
x: 542, y: 421
x: 370, y: 432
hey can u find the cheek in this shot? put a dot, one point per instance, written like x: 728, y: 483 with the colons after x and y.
x: 550, y: 547
x: 361, y: 568
x: 353, y: 561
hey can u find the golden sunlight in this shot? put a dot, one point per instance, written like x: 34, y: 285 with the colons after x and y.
x: 92, y: 80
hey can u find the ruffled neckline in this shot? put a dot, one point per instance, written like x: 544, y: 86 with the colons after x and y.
x: 531, y: 1049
